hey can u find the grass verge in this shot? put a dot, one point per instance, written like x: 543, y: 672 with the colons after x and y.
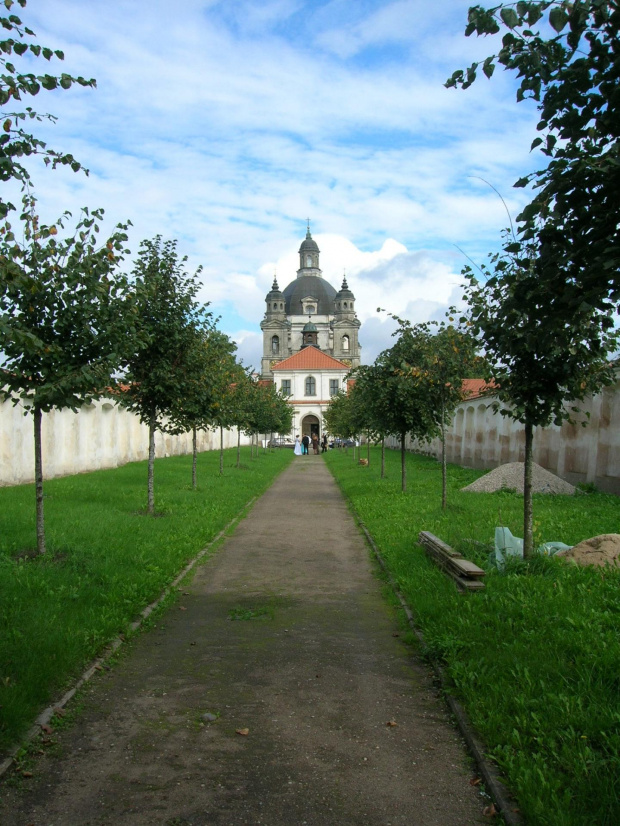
x: 535, y: 658
x: 105, y: 562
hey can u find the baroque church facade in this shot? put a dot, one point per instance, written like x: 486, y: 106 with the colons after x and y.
x: 310, y: 340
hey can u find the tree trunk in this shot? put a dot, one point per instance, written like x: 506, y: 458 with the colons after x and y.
x: 194, y: 456
x: 527, y: 493
x: 383, y: 457
x: 150, y: 508
x: 238, y: 447
x: 444, y: 495
x: 368, y: 448
x: 221, y: 450
x: 38, y: 476
x: 403, y: 464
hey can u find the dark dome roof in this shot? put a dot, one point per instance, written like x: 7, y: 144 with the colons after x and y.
x: 309, y: 327
x: 344, y: 292
x: 321, y: 290
x: 309, y: 244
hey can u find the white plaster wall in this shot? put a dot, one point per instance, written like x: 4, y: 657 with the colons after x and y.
x: 480, y: 438
x: 101, y: 435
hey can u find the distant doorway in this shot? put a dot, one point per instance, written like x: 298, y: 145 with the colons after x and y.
x: 309, y: 426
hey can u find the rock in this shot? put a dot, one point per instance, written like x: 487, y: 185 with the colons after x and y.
x: 208, y: 717
x: 599, y: 550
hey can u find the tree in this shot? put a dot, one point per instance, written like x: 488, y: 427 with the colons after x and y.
x: 573, y: 75
x: 16, y: 143
x: 365, y: 407
x: 169, y: 319
x: 66, y: 319
x: 540, y: 359
x: 202, y: 371
x: 404, y: 405
x: 268, y: 411
x: 444, y: 356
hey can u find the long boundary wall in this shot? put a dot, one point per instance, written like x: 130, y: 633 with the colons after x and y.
x: 480, y: 438
x: 99, y: 435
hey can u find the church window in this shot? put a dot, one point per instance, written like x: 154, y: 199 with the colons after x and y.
x: 345, y: 343
x: 333, y: 387
x: 310, y: 386
x: 345, y: 305
x: 275, y: 344
x: 275, y: 306
x: 308, y: 261
x: 286, y: 387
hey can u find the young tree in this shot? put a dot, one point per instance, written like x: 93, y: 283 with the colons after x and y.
x: 540, y: 358
x: 16, y: 142
x: 405, y: 404
x: 202, y: 372
x: 169, y: 319
x: 444, y: 356
x: 67, y: 319
x: 572, y: 75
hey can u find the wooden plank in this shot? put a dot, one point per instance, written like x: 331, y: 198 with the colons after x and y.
x: 428, y: 539
x: 466, y: 568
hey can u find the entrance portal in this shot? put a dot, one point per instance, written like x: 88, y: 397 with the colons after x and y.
x: 309, y: 426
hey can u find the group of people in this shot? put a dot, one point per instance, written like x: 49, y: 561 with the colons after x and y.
x: 302, y: 445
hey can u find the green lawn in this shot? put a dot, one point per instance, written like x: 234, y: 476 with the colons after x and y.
x: 535, y: 658
x: 105, y: 562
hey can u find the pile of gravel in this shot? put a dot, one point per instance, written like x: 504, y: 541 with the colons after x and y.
x: 511, y: 476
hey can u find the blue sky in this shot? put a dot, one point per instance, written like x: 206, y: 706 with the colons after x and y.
x: 227, y: 124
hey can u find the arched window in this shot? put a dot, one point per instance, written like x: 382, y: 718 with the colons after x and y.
x: 345, y: 343
x: 275, y: 344
x: 275, y: 306
x: 310, y: 386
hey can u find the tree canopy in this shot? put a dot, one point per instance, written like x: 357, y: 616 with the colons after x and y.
x: 16, y: 142
x: 572, y: 72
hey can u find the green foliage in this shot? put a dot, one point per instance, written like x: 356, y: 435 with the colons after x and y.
x: 534, y: 658
x: 573, y: 77
x: 105, y: 563
x: 66, y: 312
x: 171, y: 321
x: 16, y: 143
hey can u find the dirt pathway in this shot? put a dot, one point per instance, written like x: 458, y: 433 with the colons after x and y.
x: 284, y: 632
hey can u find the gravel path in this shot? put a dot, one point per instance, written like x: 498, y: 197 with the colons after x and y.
x: 511, y: 476
x: 277, y: 692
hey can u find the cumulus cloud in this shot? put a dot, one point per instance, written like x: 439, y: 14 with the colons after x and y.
x: 225, y: 123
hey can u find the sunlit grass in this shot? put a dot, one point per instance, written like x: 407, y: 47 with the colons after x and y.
x: 535, y: 657
x: 105, y: 562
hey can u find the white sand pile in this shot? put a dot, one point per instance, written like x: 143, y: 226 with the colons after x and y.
x: 511, y: 476
x: 600, y: 550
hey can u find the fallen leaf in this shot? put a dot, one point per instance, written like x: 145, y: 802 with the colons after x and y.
x: 27, y: 774
x: 99, y: 668
x: 391, y: 723
x: 489, y: 811
x: 243, y: 731
x: 182, y: 608
x: 59, y: 712
x: 475, y: 781
x: 47, y: 729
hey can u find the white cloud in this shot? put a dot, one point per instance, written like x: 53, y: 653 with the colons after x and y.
x: 224, y: 123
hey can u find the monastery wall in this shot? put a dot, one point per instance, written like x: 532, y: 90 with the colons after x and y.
x: 99, y: 435
x: 480, y: 438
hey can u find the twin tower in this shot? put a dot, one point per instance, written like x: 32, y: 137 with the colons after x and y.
x: 309, y: 313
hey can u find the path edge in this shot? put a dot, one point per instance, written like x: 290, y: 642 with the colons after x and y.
x: 43, y: 719
x: 494, y: 784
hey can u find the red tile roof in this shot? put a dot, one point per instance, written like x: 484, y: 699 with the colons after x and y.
x: 475, y: 388
x: 310, y: 358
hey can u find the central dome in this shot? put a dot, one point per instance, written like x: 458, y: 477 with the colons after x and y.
x: 309, y: 286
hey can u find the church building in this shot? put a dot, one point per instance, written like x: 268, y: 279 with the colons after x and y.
x: 310, y: 340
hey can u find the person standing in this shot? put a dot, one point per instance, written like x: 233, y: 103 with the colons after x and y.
x: 297, y: 449
x: 324, y: 443
x: 305, y: 441
x: 315, y: 444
